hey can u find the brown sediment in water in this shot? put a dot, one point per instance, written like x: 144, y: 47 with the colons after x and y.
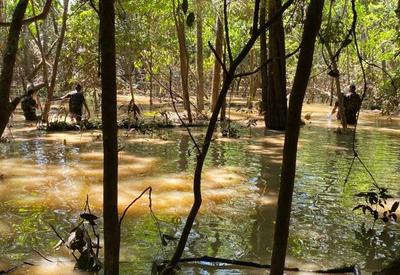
x: 26, y: 183
x: 243, y: 171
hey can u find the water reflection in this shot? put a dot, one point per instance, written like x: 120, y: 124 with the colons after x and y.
x: 46, y: 178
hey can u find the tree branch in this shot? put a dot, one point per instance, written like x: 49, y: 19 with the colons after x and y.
x: 40, y: 16
x: 217, y: 57
x: 266, y: 63
x: 228, y: 43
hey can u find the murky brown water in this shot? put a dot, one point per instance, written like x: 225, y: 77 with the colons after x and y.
x: 46, y: 177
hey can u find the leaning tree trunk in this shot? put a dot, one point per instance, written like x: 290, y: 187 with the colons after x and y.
x: 8, y: 65
x: 51, y: 87
x: 199, y: 56
x: 277, y: 107
x: 304, y: 65
x: 217, y: 67
x: 110, y: 135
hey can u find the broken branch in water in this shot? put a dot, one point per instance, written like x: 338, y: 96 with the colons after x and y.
x: 41, y: 255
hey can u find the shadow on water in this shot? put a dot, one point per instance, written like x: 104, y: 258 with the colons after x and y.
x: 45, y: 179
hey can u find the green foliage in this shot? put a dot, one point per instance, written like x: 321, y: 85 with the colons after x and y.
x: 373, y: 200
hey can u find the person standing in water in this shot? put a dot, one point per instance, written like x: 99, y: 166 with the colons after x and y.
x: 76, y: 103
x: 29, y: 106
x: 351, y: 103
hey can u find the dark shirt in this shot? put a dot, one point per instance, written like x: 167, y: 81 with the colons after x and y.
x: 352, y: 104
x: 76, y: 100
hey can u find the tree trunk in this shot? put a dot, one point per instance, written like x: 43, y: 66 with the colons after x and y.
x: 60, y: 42
x: 277, y: 107
x: 8, y: 65
x: 44, y: 54
x: 332, y: 90
x: 184, y: 60
x: 304, y: 65
x: 338, y: 90
x: 263, y: 60
x: 151, y: 78
x: 253, y: 81
x: 2, y: 11
x: 199, y: 56
x: 110, y: 135
x: 27, y: 55
x: 202, y: 152
x: 217, y: 67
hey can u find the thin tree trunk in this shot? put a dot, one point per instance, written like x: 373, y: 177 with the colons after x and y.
x: 44, y: 54
x: 223, y: 108
x: 9, y: 57
x: 338, y: 91
x: 263, y: 60
x: 332, y: 90
x: 202, y: 152
x: 2, y: 11
x: 253, y: 81
x: 217, y: 67
x: 199, y: 56
x: 348, y: 65
x: 304, y: 65
x: 27, y: 54
x: 184, y: 60
x: 110, y: 135
x: 131, y: 91
x: 277, y: 106
x: 151, y: 78
x: 384, y: 76
x: 60, y: 42
x: 95, y: 102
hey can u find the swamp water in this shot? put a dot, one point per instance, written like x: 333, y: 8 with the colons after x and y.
x: 45, y: 178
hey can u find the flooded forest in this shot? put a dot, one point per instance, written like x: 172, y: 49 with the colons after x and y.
x: 199, y: 137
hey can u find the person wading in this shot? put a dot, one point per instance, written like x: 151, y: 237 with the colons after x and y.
x: 76, y: 103
x: 29, y: 106
x: 351, y: 103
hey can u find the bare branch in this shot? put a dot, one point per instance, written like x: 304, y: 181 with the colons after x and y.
x: 40, y: 16
x: 166, y: 88
x: 179, y: 116
x: 91, y: 3
x: 41, y: 255
x: 135, y: 200
x: 58, y: 235
x: 265, y: 64
x: 217, y: 57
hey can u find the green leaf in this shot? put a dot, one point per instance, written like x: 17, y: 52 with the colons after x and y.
x: 394, y: 207
x: 190, y: 19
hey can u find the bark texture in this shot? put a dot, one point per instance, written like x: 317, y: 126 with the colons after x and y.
x: 199, y: 57
x: 60, y: 42
x: 263, y: 60
x: 110, y: 135
x: 184, y: 60
x: 276, y: 95
x: 7, y: 72
x: 304, y: 65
